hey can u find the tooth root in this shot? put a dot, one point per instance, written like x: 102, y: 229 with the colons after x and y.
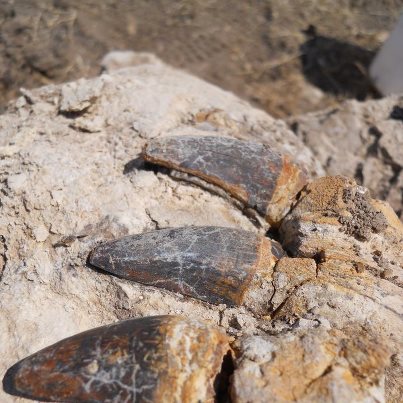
x: 252, y: 173
x: 144, y: 359
x: 214, y: 264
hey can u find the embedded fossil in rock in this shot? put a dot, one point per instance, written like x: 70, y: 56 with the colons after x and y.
x: 252, y: 173
x: 324, y: 305
x: 147, y: 359
x: 213, y: 264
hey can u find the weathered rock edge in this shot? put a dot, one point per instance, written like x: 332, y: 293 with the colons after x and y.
x: 362, y: 140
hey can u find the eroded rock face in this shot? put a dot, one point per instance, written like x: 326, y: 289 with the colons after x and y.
x: 356, y: 242
x: 362, y: 140
x: 337, y: 219
x: 72, y: 179
x: 311, y: 364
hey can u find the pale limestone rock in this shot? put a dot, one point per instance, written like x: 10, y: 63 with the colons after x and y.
x: 78, y: 96
x: 310, y: 365
x: 70, y: 178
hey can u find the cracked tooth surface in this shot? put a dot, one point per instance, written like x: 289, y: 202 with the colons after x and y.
x: 214, y: 264
x: 149, y: 359
x: 253, y: 173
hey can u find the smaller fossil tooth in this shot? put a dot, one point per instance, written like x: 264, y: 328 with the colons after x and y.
x: 137, y: 360
x: 214, y: 264
x: 252, y: 173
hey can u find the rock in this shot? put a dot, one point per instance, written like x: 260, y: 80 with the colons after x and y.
x: 78, y: 96
x: 310, y: 365
x: 337, y: 219
x: 290, y: 273
x: 40, y: 233
x: 17, y: 182
x: 362, y: 140
x: 335, y: 297
x: 356, y: 242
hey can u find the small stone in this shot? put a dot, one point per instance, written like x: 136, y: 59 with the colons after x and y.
x: 77, y: 97
x: 17, y: 183
x: 20, y: 102
x: 119, y: 59
x: 65, y: 241
x: 40, y: 233
x: 92, y: 125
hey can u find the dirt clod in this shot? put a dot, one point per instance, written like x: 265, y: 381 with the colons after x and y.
x: 363, y: 219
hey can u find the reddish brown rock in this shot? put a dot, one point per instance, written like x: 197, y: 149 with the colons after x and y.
x: 137, y: 360
x: 252, y: 173
x: 337, y: 219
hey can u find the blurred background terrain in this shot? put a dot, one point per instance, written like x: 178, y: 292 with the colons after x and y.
x: 285, y: 56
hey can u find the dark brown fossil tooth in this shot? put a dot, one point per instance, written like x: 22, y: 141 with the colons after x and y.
x: 213, y: 264
x: 250, y: 172
x: 150, y: 359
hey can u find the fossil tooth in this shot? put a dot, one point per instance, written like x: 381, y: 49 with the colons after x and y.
x: 149, y: 359
x: 213, y: 264
x: 250, y: 172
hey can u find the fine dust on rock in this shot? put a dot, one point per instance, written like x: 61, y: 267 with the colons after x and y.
x: 360, y: 218
x: 364, y: 218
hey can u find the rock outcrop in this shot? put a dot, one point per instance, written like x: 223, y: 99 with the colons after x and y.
x: 72, y: 178
x: 362, y: 140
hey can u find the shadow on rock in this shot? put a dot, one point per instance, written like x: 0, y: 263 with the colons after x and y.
x: 141, y: 165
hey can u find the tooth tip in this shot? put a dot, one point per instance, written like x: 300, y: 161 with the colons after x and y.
x: 8, y: 380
